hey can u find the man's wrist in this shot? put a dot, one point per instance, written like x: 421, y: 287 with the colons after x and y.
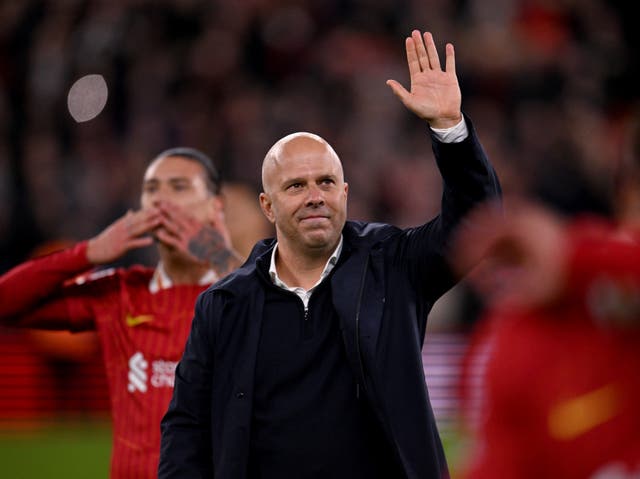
x: 453, y: 134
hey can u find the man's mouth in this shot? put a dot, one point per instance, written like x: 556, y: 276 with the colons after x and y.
x: 313, y: 218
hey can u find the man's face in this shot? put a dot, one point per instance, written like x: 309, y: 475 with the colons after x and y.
x: 305, y: 195
x: 180, y: 182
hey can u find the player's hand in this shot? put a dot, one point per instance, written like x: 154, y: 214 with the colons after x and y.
x: 200, y: 242
x: 516, y: 257
x: 129, y: 232
x: 435, y: 94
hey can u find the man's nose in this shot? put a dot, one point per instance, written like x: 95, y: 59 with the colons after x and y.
x: 315, y: 196
x: 156, y: 199
x: 159, y: 196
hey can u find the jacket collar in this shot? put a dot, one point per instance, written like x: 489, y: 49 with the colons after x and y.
x: 357, y: 235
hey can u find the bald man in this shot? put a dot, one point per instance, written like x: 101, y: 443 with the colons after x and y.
x: 305, y: 197
x: 306, y: 362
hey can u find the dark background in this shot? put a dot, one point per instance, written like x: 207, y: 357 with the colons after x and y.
x: 551, y: 86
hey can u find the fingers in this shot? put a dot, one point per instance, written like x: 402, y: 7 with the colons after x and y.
x: 168, y: 238
x: 450, y: 60
x: 141, y: 222
x: 519, y: 254
x: 141, y: 242
x: 421, y: 51
x: 177, y: 221
x: 432, y: 52
x: 183, y: 232
x: 124, y: 234
x: 398, y: 90
x: 412, y: 57
x: 172, y: 220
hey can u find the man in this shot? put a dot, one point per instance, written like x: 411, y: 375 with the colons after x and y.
x: 550, y: 385
x: 306, y: 362
x: 142, y: 315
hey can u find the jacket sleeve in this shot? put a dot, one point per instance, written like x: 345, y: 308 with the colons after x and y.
x: 34, y: 293
x: 186, y: 449
x: 468, y: 180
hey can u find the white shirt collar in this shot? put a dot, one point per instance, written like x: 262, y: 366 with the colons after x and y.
x: 161, y: 280
x: 303, y: 294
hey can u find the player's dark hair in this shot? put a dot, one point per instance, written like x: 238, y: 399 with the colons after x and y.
x: 212, y: 176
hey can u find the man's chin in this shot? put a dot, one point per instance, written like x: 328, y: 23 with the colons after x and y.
x: 323, y: 242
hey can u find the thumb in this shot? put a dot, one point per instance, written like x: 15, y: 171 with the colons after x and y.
x: 399, y: 90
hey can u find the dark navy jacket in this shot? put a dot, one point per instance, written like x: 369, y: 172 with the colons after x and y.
x: 382, y: 290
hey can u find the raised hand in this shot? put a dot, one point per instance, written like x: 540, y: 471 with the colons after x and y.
x: 435, y: 94
x: 129, y: 232
x: 516, y: 256
x: 200, y: 242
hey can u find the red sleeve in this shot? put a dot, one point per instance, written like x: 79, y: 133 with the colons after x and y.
x: 33, y: 293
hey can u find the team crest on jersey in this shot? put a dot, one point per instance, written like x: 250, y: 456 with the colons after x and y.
x: 141, y: 377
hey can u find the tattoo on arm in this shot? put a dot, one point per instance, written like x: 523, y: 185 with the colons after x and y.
x: 209, y: 245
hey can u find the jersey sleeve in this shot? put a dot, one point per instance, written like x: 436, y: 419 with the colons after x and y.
x: 45, y: 292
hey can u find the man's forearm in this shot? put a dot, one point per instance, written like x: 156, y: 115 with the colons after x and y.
x: 24, y: 286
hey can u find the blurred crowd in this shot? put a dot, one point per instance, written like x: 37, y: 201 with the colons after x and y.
x: 550, y: 84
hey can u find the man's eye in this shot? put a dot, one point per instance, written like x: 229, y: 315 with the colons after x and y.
x: 295, y: 186
x: 327, y: 183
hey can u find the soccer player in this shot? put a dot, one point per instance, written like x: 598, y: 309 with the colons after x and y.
x: 556, y: 356
x: 142, y: 315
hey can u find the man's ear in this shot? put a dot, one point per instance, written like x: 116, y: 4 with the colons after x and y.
x: 265, y: 205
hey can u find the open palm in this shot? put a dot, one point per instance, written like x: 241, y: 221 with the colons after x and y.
x: 435, y: 93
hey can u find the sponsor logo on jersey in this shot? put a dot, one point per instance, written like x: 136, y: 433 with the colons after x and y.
x: 94, y: 275
x: 578, y: 415
x: 141, y: 377
x: 133, y: 321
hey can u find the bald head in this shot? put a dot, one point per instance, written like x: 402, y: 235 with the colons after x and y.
x: 296, y: 146
x: 304, y: 196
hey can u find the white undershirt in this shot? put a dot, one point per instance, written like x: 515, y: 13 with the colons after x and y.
x: 455, y: 134
x: 302, y: 293
x: 160, y: 279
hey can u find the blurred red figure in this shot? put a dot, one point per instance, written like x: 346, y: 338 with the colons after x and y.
x: 142, y: 315
x: 551, y: 385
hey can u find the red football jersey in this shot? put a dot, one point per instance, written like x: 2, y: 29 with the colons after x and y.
x: 554, y: 392
x: 142, y: 333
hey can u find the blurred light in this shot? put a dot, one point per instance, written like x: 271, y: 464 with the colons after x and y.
x: 87, y: 97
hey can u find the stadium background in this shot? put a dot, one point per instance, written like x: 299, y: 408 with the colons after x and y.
x: 550, y: 84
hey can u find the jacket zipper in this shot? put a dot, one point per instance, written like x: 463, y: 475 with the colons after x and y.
x: 358, y: 305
